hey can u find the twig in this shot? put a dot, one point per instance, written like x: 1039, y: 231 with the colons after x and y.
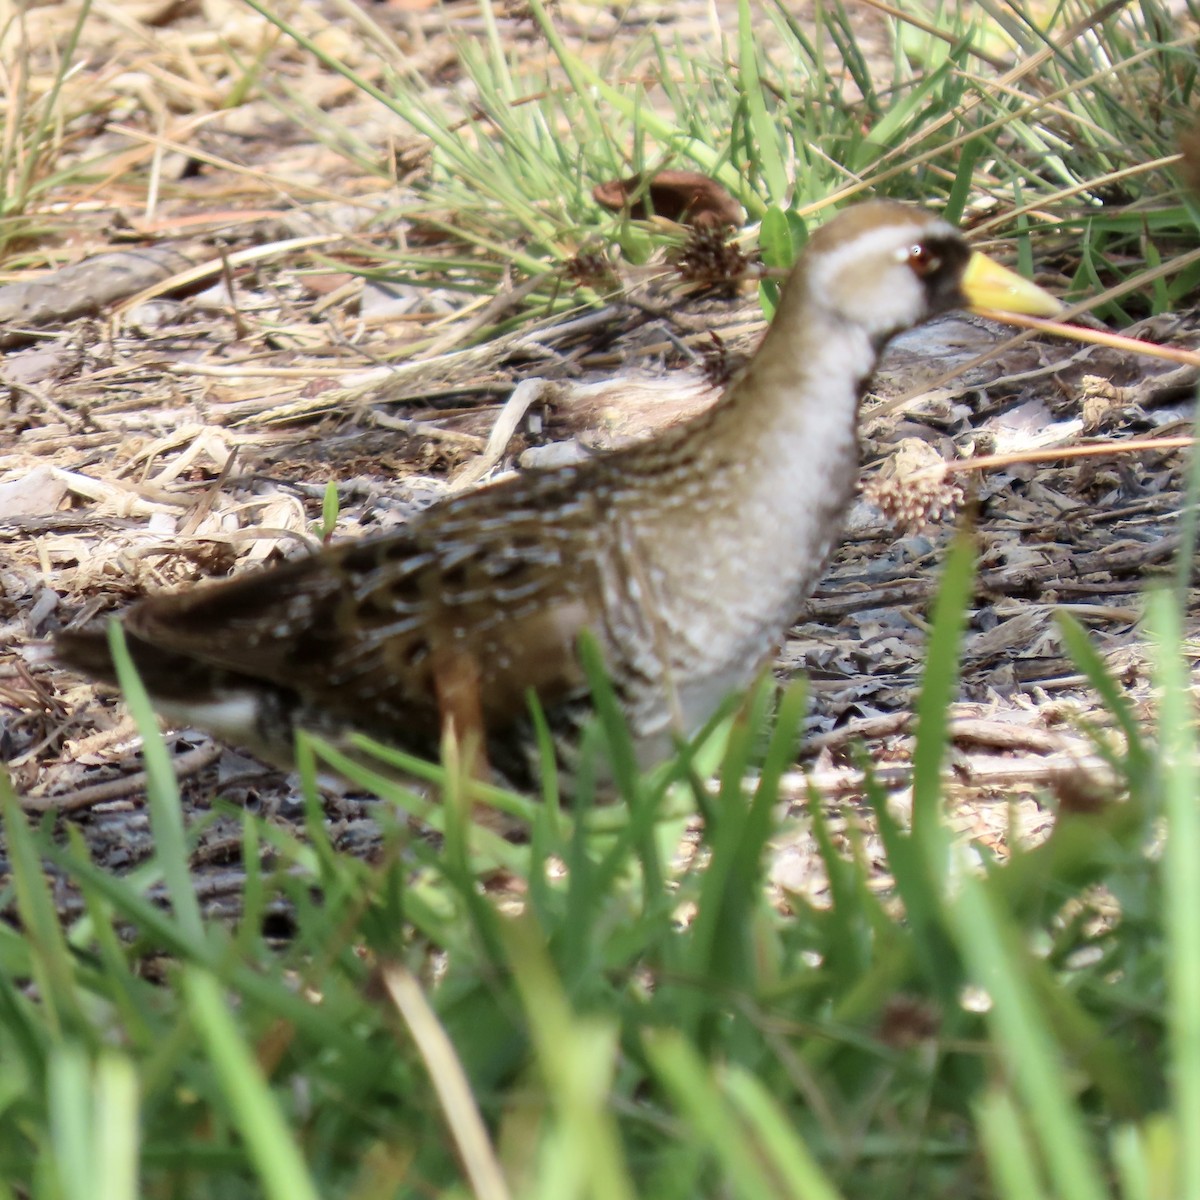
x: 187, y: 764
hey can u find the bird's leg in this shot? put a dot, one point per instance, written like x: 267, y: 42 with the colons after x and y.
x: 456, y: 681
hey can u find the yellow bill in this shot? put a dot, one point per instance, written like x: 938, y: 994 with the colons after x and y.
x: 986, y: 284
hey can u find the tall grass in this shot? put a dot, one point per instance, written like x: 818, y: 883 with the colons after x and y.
x: 1062, y: 127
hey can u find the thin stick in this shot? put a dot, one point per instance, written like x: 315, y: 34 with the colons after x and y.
x: 986, y: 462
x: 1100, y: 337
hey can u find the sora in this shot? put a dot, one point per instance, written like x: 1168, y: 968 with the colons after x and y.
x: 687, y: 556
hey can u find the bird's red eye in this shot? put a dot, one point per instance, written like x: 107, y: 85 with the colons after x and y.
x: 923, y: 260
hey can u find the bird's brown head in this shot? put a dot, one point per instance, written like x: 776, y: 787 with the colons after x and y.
x: 885, y: 266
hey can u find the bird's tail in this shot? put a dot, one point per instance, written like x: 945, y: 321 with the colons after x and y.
x: 166, y: 675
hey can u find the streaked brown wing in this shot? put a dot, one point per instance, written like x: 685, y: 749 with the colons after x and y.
x: 372, y: 630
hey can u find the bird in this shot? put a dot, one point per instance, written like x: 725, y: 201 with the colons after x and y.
x: 686, y: 557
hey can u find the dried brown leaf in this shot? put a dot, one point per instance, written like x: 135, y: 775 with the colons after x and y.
x: 684, y: 196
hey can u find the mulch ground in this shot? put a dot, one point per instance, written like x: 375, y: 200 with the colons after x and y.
x: 191, y: 359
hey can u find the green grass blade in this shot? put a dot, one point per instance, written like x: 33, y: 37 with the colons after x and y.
x: 162, y: 793
x: 1083, y: 654
x: 51, y: 962
x: 253, y: 1106
x: 49, y: 105
x: 960, y: 191
x: 920, y: 882
x: 765, y: 154
x: 576, y: 1057
x: 1011, y: 1159
x: 688, y: 1081
x: 1144, y: 1159
x: 938, y: 686
x: 995, y: 956
x: 575, y: 70
x: 775, y: 1133
x: 71, y: 1127
x: 1181, y: 878
x: 117, y: 1120
x: 778, y: 249
x: 721, y: 946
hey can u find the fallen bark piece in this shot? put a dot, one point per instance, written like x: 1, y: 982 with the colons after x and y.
x: 84, y: 288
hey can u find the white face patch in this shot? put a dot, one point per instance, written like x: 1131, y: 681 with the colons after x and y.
x: 867, y: 279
